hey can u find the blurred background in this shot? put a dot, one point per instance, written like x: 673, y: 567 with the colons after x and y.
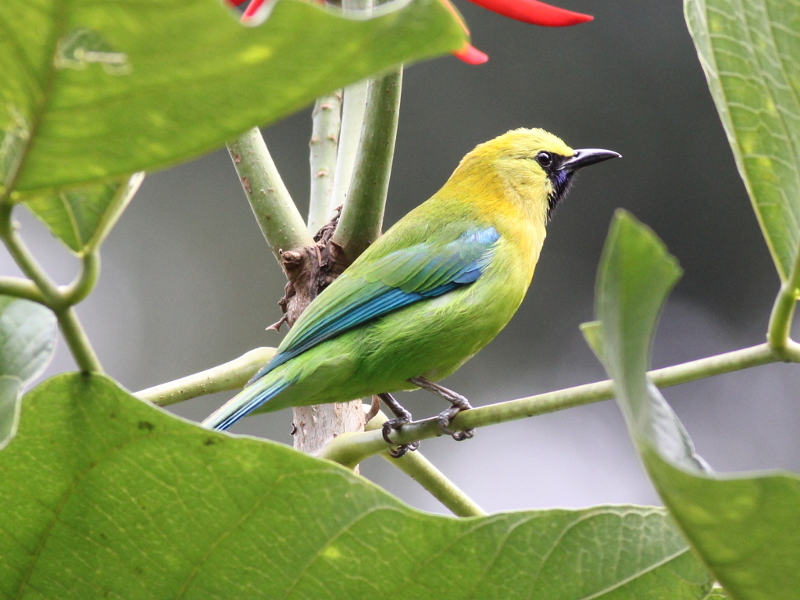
x: 189, y: 283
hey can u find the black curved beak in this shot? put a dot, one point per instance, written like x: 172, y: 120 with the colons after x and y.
x: 587, y: 156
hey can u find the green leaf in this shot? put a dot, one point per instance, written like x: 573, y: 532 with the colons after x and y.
x: 27, y: 341
x: 91, y: 92
x: 82, y: 216
x: 749, y: 51
x: 102, y: 495
x: 745, y: 528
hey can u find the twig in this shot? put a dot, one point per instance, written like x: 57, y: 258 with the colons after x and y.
x: 357, y: 447
x: 419, y: 468
x: 228, y: 376
x: 20, y: 288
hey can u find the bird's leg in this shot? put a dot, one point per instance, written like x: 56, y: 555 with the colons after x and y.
x: 403, y: 417
x: 458, y: 402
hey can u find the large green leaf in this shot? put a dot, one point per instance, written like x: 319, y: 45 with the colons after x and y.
x: 745, y: 528
x: 96, y: 90
x: 27, y: 340
x: 82, y: 216
x: 749, y: 50
x: 102, y: 495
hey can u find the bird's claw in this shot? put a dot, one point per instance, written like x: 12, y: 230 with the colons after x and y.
x: 403, y: 449
x: 395, y: 425
x: 444, y: 424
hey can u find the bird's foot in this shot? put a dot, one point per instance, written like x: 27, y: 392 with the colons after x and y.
x: 395, y: 425
x: 458, y: 403
x: 444, y: 419
x: 403, y: 417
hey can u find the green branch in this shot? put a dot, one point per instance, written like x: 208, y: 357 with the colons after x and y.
x: 412, y: 464
x: 359, y: 446
x: 324, y: 144
x: 362, y: 215
x: 275, y: 212
x: 232, y: 375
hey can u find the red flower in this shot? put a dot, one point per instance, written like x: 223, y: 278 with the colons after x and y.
x: 527, y: 11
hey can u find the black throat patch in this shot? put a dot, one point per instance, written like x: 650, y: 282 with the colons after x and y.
x: 561, y: 180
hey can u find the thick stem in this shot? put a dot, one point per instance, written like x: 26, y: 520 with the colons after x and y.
x: 358, y: 447
x: 314, y: 427
x: 362, y: 215
x: 324, y: 144
x: 275, y: 212
x: 222, y: 378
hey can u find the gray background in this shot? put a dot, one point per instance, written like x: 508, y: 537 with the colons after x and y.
x: 188, y: 282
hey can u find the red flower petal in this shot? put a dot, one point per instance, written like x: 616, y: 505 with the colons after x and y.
x: 471, y: 55
x: 532, y: 11
x: 234, y: 3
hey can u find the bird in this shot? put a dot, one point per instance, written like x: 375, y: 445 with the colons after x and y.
x: 429, y: 293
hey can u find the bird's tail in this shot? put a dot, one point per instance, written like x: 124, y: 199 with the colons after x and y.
x: 249, y: 399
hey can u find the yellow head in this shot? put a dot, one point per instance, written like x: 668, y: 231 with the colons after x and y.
x: 530, y: 167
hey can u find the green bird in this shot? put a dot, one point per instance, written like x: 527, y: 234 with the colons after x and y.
x: 429, y: 293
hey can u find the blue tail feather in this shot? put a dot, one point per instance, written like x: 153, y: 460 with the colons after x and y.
x: 232, y: 411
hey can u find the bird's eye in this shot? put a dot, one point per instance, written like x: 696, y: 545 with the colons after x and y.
x: 544, y: 158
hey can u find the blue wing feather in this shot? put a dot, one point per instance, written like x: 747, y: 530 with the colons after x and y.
x: 388, y: 284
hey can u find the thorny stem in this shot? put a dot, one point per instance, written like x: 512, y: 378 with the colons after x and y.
x: 276, y: 214
x: 357, y: 447
x: 324, y: 144
x: 59, y: 300
x: 362, y: 215
x: 222, y: 378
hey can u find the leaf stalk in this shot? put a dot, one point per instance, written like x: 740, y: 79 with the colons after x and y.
x: 780, y: 320
x: 59, y: 300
